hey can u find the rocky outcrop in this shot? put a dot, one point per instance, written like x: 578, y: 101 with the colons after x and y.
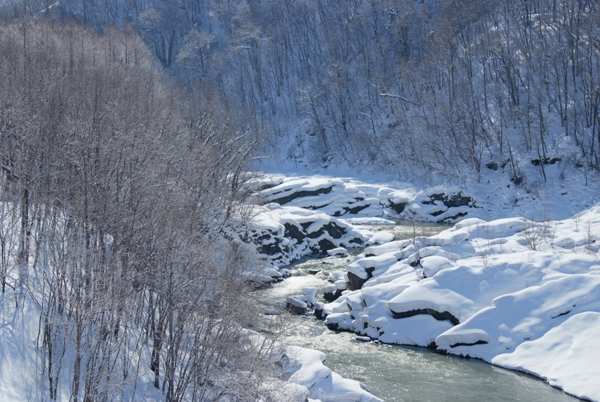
x: 339, y: 197
x: 285, y: 234
x: 291, y: 195
x: 440, y: 316
x: 356, y: 282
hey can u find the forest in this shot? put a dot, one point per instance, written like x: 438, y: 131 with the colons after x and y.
x: 439, y: 84
x: 128, y: 129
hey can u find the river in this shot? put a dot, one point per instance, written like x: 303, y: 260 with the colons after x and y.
x: 395, y: 373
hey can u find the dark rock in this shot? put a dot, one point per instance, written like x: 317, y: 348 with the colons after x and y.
x: 333, y: 229
x: 432, y: 346
x: 333, y: 326
x: 292, y: 232
x: 492, y: 165
x: 562, y: 314
x: 351, y: 210
x: 270, y: 249
x: 443, y: 316
x: 454, y: 217
x: 303, y: 193
x: 325, y: 245
x: 398, y: 207
x: 451, y: 201
x: 313, y: 207
x: 479, y: 342
x: 319, y: 312
x: 545, y: 161
x: 355, y: 282
x: 263, y: 237
x: 296, y: 306
x: 331, y: 296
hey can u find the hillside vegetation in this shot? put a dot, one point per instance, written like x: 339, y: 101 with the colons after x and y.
x: 117, y: 282
x: 418, y: 85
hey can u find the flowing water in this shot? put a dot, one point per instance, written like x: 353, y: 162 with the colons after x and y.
x: 396, y: 373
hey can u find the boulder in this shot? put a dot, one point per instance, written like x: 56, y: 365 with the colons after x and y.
x: 296, y: 305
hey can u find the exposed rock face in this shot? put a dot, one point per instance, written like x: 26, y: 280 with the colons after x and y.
x: 340, y: 197
x: 332, y: 294
x: 451, y: 200
x: 355, y: 282
x: 440, y: 316
x: 397, y: 207
x: 291, y: 195
x: 285, y: 234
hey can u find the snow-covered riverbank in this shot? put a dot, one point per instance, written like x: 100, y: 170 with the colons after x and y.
x: 517, y: 293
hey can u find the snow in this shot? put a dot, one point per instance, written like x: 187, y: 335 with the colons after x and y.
x: 513, y: 292
x: 21, y: 354
x: 286, y: 234
x: 308, y: 371
x: 567, y: 348
x: 338, y: 252
x: 363, y: 202
x: 563, y: 194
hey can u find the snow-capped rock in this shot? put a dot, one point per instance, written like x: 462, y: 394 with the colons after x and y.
x: 285, y: 234
x: 344, y: 197
x: 513, y: 292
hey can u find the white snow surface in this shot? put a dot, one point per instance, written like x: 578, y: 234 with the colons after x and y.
x: 566, y: 348
x: 359, y: 201
x: 516, y: 293
x: 21, y: 354
x: 308, y: 371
